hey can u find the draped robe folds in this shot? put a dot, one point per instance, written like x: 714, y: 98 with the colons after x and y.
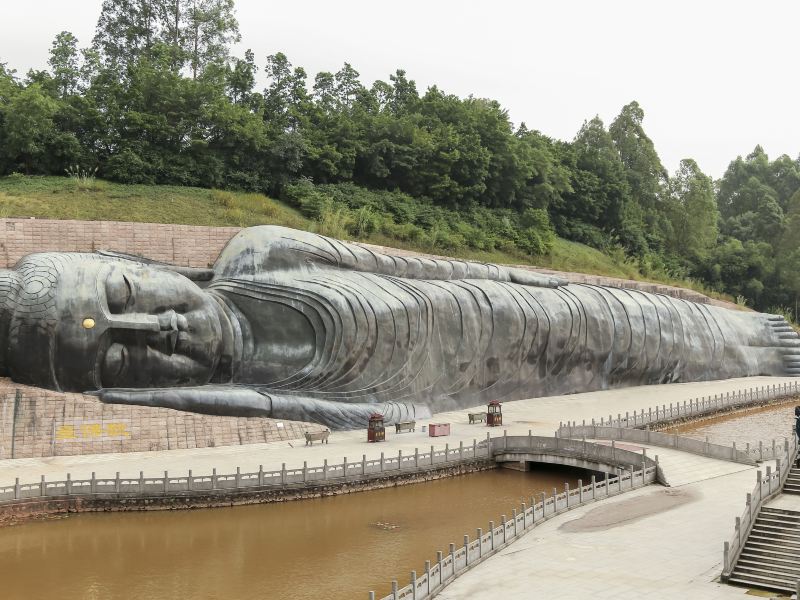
x: 330, y: 331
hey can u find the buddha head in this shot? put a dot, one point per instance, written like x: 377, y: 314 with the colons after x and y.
x: 80, y: 322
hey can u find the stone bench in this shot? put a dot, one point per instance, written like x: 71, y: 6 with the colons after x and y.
x: 477, y: 418
x: 320, y: 436
x: 405, y: 426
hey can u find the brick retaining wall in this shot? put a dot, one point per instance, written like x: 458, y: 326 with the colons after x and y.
x: 199, y: 246
x: 35, y: 422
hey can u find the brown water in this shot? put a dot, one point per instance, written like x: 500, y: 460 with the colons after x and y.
x: 761, y: 424
x: 338, y: 547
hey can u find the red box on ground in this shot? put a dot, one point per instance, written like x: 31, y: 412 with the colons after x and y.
x: 438, y: 429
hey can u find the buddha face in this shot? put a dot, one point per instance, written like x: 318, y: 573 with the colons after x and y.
x: 123, y: 324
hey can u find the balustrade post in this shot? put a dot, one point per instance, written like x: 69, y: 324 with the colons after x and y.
x: 758, y: 487
x: 453, y: 557
x: 344, y: 467
x: 260, y: 475
x: 608, y: 476
x: 432, y: 454
x: 480, y: 542
x: 394, y: 589
x: 166, y: 482
x: 439, y: 557
x: 505, y: 439
x: 325, y: 469
x: 555, y: 500
x: 466, y: 550
x: 594, y: 487
x: 372, y: 596
x: 769, y: 479
x: 399, y: 460
x: 514, y: 516
x: 141, y: 482
x: 283, y: 473
x: 524, y: 516
x: 503, y: 522
x: 544, y: 503
x: 446, y: 452
x: 238, y: 480
x: 413, y: 585
x: 726, y: 552
x: 305, y: 471
x: 491, y: 534
x: 43, y: 489
x: 461, y: 450
x: 428, y: 575
x: 382, y: 459
x: 474, y: 448
x: 738, y: 532
x: 580, y: 491
x: 363, y: 464
x: 190, y: 481
x: 416, y: 458
x: 16, y: 488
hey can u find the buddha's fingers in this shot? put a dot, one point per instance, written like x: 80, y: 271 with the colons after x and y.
x: 209, y: 400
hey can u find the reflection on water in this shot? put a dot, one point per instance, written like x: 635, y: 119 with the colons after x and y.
x: 337, y: 547
x: 761, y: 424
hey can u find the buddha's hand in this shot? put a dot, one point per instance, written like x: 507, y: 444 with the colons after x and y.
x: 523, y: 277
x: 220, y: 400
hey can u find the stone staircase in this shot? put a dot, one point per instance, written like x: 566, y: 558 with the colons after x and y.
x: 771, y: 556
x: 792, y: 485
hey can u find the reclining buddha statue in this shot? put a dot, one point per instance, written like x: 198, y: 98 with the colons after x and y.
x: 294, y: 325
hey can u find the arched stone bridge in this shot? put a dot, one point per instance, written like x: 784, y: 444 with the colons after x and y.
x: 518, y: 452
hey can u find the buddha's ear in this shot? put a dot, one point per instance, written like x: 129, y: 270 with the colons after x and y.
x: 192, y: 273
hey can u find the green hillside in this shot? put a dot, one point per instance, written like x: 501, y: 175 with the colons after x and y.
x: 96, y: 200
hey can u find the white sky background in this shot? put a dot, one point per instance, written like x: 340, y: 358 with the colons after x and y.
x: 714, y: 78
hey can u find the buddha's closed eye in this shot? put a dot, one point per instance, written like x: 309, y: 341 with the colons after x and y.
x: 119, y: 292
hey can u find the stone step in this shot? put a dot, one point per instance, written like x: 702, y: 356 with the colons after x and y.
x: 768, y: 565
x: 765, y: 571
x: 778, y: 559
x: 782, y: 532
x: 778, y: 521
x: 771, y: 551
x: 757, y: 536
x: 781, y: 511
x: 760, y: 582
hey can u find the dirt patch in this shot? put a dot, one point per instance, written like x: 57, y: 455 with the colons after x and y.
x: 630, y: 510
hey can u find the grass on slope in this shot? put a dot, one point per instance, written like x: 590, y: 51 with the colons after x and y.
x: 96, y: 200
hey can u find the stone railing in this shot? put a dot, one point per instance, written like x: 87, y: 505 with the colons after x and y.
x: 746, y: 454
x: 344, y: 472
x: 696, y: 407
x: 448, y: 566
x: 766, y: 487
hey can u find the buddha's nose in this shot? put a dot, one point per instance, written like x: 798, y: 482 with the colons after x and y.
x: 172, y: 321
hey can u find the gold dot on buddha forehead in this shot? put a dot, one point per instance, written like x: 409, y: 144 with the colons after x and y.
x: 88, y: 323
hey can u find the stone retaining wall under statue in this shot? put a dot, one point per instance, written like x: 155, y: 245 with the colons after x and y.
x: 199, y: 246
x: 35, y: 422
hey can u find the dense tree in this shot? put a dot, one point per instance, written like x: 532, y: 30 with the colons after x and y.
x: 693, y: 214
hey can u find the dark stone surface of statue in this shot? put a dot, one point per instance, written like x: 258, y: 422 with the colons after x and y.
x: 294, y: 325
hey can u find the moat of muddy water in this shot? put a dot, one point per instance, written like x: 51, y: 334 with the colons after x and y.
x: 338, y: 547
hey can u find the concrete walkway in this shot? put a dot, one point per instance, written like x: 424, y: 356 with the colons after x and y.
x: 663, y: 543
x: 540, y: 415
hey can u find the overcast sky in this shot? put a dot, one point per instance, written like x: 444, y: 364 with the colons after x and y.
x: 714, y: 78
